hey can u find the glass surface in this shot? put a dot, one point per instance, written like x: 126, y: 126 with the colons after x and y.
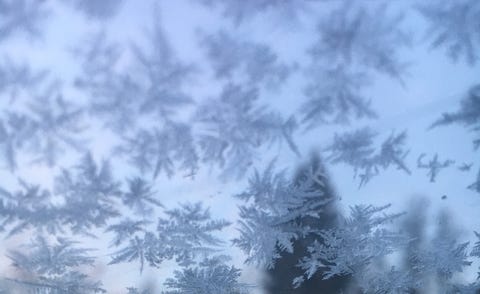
x: 239, y: 146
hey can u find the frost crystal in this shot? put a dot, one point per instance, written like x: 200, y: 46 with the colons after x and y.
x: 272, y: 220
x: 56, y: 123
x: 184, y: 234
x: 23, y: 16
x: 166, y: 149
x: 355, y: 35
x: 209, y: 277
x: 335, y: 96
x: 434, y: 166
x: 89, y: 191
x: 356, y: 149
x: 468, y: 114
x: 256, y: 63
x: 241, y: 10
x: 454, y: 26
x: 351, y: 247
x: 53, y: 268
x: 234, y: 128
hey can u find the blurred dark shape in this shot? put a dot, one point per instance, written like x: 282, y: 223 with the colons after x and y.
x: 146, y: 287
x: 279, y: 279
x: 444, y: 197
x: 437, y: 258
x: 413, y: 226
x: 133, y: 290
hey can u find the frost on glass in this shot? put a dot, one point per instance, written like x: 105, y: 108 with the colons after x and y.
x: 166, y: 150
x: 165, y: 139
x: 273, y: 217
x: 240, y: 11
x: 234, y: 127
x: 349, y: 249
x: 53, y: 267
x: 454, y: 28
x: 210, y: 276
x: 23, y: 16
x: 434, y: 166
x: 184, y: 234
x: 357, y: 149
x: 254, y: 63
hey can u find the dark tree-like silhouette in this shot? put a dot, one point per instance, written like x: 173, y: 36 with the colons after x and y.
x: 279, y: 279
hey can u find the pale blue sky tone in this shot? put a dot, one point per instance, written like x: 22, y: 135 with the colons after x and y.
x: 434, y: 85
